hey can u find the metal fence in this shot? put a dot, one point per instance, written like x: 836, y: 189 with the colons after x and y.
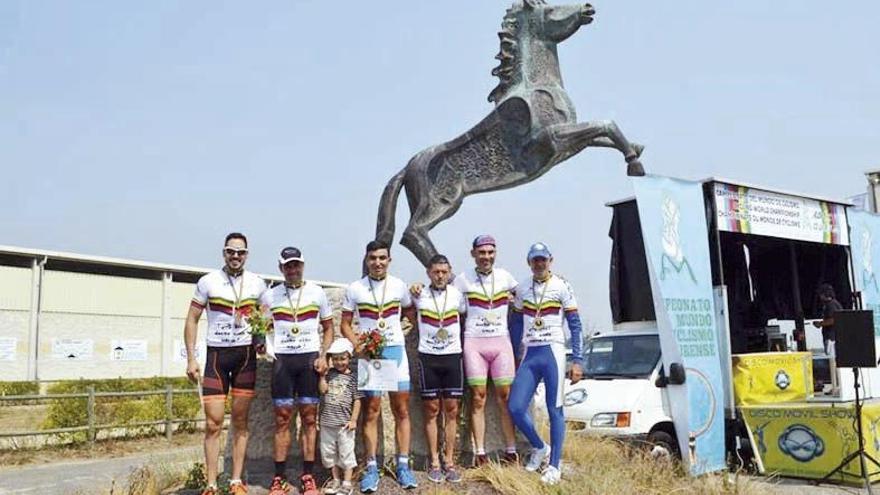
x: 92, y: 427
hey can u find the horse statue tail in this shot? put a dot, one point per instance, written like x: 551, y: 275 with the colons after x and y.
x: 388, y: 208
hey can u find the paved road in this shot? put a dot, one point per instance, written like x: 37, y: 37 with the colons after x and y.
x: 98, y: 474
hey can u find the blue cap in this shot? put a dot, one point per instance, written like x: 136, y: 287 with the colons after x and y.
x: 539, y: 250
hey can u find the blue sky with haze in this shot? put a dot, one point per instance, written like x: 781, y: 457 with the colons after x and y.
x: 148, y: 130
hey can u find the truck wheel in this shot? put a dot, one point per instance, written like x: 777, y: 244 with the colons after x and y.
x: 662, y: 444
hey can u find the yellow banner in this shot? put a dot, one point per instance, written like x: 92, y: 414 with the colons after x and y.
x: 810, y: 440
x: 770, y: 377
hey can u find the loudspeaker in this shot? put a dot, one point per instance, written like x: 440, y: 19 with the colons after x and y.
x: 855, y: 339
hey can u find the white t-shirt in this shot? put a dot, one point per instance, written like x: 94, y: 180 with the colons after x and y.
x: 378, y: 302
x: 297, y: 313
x: 228, y: 299
x: 440, y: 314
x: 487, y: 301
x: 549, y: 301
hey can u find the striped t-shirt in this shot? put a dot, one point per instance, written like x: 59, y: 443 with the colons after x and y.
x: 339, y: 400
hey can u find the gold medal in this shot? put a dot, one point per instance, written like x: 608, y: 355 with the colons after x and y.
x: 238, y: 320
x: 294, y: 310
x: 442, y: 333
x: 538, y: 322
x: 380, y: 323
x: 491, y: 318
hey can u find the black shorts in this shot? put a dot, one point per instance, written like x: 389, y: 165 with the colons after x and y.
x: 294, y: 377
x: 226, y: 367
x: 441, y: 375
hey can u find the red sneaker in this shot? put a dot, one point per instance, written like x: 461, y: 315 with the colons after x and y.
x: 309, y: 486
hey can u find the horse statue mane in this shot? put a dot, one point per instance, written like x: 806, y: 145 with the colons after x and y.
x: 532, y: 128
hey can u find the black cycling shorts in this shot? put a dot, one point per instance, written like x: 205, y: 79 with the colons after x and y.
x: 441, y: 375
x: 294, y: 377
x: 226, y: 367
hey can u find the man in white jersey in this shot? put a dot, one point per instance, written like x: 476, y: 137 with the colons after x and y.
x: 544, y: 303
x: 379, y: 300
x: 302, y: 333
x: 441, y: 375
x: 229, y: 295
x: 488, y: 352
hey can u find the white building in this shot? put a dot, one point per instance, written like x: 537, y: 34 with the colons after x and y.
x: 67, y: 316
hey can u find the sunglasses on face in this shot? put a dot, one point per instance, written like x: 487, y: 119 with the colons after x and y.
x: 234, y: 252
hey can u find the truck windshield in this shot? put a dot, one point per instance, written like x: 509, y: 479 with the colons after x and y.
x: 633, y: 356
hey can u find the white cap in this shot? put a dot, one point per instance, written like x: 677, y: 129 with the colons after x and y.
x: 341, y: 345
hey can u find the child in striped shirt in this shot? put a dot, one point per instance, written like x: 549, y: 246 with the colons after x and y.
x: 340, y: 407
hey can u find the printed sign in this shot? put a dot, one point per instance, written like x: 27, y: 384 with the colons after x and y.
x: 752, y: 211
x: 180, y: 351
x: 128, y: 350
x: 809, y: 440
x: 865, y: 250
x: 72, y: 349
x: 8, y: 348
x: 673, y: 221
x: 767, y: 377
x: 377, y: 375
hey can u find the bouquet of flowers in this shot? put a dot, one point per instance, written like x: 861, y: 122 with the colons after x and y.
x: 372, y: 343
x: 259, y: 324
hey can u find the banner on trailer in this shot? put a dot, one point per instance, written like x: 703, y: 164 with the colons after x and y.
x: 865, y: 230
x: 753, y: 211
x: 809, y: 440
x: 768, y: 377
x: 673, y: 220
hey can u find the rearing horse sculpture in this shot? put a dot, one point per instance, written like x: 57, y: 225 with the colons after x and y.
x: 532, y: 128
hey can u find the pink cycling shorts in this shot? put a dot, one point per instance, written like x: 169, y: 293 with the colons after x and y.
x: 488, y: 357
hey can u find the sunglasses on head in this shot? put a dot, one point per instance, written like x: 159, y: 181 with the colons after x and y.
x: 233, y: 252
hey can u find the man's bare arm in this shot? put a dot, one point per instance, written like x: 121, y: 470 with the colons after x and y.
x: 190, y: 332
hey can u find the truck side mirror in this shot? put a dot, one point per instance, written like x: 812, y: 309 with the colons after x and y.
x: 661, y: 381
x: 676, y: 374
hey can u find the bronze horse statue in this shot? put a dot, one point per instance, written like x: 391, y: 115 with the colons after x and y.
x: 532, y: 128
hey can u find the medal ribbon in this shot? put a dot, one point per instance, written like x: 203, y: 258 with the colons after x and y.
x: 235, y: 293
x: 445, y: 298
x: 380, y: 306
x: 488, y: 296
x: 541, y: 299
x: 298, y: 299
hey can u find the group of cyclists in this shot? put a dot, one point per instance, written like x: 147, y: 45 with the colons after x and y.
x: 479, y: 325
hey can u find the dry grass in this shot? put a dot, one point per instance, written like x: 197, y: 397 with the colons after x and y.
x: 146, y: 480
x: 602, y: 466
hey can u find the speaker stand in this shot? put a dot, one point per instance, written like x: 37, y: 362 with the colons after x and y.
x: 860, y: 453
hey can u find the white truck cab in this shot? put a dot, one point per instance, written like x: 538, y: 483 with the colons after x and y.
x: 623, y: 392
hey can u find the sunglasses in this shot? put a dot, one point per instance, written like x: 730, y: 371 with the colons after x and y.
x: 235, y: 252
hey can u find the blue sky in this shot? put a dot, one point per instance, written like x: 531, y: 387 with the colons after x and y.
x: 148, y: 130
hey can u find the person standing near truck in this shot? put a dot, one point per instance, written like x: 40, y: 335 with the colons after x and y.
x: 544, y: 302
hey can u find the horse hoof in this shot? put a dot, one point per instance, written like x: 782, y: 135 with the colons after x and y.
x: 635, y: 169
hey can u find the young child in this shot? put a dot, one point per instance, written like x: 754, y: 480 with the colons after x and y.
x: 340, y: 408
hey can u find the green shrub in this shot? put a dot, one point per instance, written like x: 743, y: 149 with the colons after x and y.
x: 19, y: 388
x: 63, y: 413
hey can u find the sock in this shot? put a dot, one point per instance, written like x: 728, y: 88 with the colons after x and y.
x: 280, y: 467
x: 371, y: 462
x: 402, y: 460
x: 308, y: 467
x: 511, y: 449
x: 235, y: 482
x: 346, y: 484
x: 481, y: 451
